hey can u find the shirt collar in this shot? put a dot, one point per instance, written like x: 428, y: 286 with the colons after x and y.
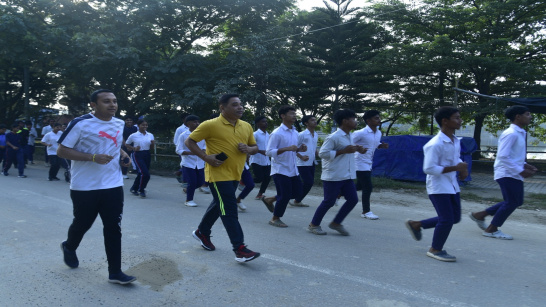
x: 445, y: 138
x: 517, y: 128
x: 342, y: 132
x: 226, y: 122
x: 284, y: 127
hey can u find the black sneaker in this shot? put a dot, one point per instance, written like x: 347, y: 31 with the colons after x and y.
x: 135, y: 192
x: 55, y: 179
x: 204, y: 240
x: 70, y: 257
x: 121, y: 278
x: 143, y: 194
x: 243, y: 254
x: 22, y: 176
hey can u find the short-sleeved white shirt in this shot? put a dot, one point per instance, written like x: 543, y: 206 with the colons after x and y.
x: 511, y: 153
x: 52, y: 138
x: 178, y: 132
x: 262, y: 138
x: 370, y: 140
x: 441, y: 152
x: 91, y: 135
x: 311, y: 142
x: 190, y: 161
x: 140, y: 139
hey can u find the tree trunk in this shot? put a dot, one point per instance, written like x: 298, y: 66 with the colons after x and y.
x: 478, y: 121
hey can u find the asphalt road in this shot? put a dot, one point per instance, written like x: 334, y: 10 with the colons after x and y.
x: 378, y: 265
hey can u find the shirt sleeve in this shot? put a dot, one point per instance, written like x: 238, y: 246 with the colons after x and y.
x: 180, y: 145
x: 327, y: 151
x: 430, y: 164
x: 71, y: 137
x: 201, y: 132
x: 251, y: 138
x: 273, y: 145
x: 130, y: 139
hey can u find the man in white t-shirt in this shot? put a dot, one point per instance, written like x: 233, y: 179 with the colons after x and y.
x: 45, y: 130
x: 50, y: 141
x: 93, y: 143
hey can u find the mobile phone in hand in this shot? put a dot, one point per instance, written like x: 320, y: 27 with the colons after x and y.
x: 221, y: 156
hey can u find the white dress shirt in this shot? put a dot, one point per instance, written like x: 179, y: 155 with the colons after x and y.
x: 310, y: 141
x: 178, y: 132
x: 140, y: 139
x: 52, y: 138
x: 370, y: 140
x: 190, y: 161
x: 341, y: 167
x: 441, y: 152
x: 262, y: 138
x: 511, y: 153
x: 285, y: 163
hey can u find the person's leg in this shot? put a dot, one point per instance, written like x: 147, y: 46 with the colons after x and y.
x: 224, y: 193
x: 257, y: 171
x: 190, y: 176
x: 365, y: 181
x: 20, y: 156
x: 307, y: 174
x: 111, y: 212
x: 31, y: 150
x: 246, y: 177
x: 145, y: 169
x: 85, y: 210
x: 10, y: 156
x: 348, y: 190
x: 512, y: 192
x: 266, y: 179
x: 123, y: 168
x: 284, y: 192
x: 330, y: 190
x: 448, y: 208
x: 55, y: 166
x: 136, y: 182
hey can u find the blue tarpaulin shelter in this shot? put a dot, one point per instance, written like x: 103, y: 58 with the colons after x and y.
x: 404, y: 158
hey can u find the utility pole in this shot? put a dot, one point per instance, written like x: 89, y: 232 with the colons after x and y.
x: 26, y: 81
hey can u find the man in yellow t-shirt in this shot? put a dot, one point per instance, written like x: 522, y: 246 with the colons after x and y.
x: 228, y: 140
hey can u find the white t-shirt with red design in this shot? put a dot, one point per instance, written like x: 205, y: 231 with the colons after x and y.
x: 89, y: 134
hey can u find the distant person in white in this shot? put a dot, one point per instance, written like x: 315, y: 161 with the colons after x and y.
x: 93, y: 143
x: 193, y: 167
x: 50, y: 141
x: 140, y: 144
x: 442, y: 163
x: 368, y: 137
x: 260, y: 163
x: 307, y: 160
x: 510, y: 170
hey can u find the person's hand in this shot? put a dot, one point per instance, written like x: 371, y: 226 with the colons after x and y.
x: 212, y: 161
x: 527, y: 173
x: 361, y: 149
x: 304, y: 158
x: 463, y: 175
x: 15, y: 148
x: 383, y: 145
x: 137, y: 148
x: 302, y: 148
x: 102, y: 159
x: 351, y: 149
x: 462, y: 167
x: 530, y: 167
x: 242, y: 147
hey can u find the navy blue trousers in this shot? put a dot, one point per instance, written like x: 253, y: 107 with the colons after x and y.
x: 287, y: 189
x: 364, y: 181
x: 15, y: 156
x: 262, y: 174
x: 142, y: 160
x: 512, y: 195
x: 195, y: 177
x: 246, y: 177
x: 332, y: 189
x: 448, y: 208
x: 307, y: 174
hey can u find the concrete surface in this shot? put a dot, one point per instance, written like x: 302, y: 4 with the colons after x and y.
x: 378, y: 265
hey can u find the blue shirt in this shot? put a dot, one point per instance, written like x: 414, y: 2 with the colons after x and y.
x: 2, y: 140
x: 14, y: 139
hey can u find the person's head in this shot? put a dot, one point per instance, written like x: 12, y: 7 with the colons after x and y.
x: 192, y: 122
x: 51, y: 122
x: 519, y: 115
x: 21, y: 124
x: 15, y: 127
x: 230, y: 106
x: 3, y: 128
x: 128, y: 121
x: 260, y: 122
x: 142, y: 125
x: 372, y: 118
x: 57, y: 127
x: 448, y: 117
x: 105, y: 104
x: 287, y: 114
x: 345, y: 119
x: 63, y: 127
x: 309, y: 121
x: 28, y: 124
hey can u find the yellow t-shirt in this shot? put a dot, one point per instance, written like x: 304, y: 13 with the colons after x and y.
x: 221, y: 136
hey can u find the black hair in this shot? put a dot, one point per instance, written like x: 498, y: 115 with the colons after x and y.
x: 444, y: 112
x: 15, y: 125
x: 285, y: 109
x: 512, y: 111
x: 226, y: 97
x: 57, y: 124
x: 126, y: 117
x: 342, y: 114
x: 369, y: 114
x: 306, y: 118
x: 140, y: 121
x: 258, y: 118
x: 190, y: 118
x: 95, y: 94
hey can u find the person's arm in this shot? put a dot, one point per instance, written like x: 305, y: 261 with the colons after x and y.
x: 194, y: 148
x: 8, y: 143
x: 248, y: 149
x: 72, y: 154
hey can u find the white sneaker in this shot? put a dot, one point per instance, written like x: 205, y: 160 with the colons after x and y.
x: 241, y: 206
x: 337, y: 202
x: 240, y: 187
x: 205, y: 190
x: 498, y: 235
x: 369, y: 216
x: 125, y: 177
x: 191, y: 203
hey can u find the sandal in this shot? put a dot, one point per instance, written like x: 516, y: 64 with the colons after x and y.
x: 278, y: 223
